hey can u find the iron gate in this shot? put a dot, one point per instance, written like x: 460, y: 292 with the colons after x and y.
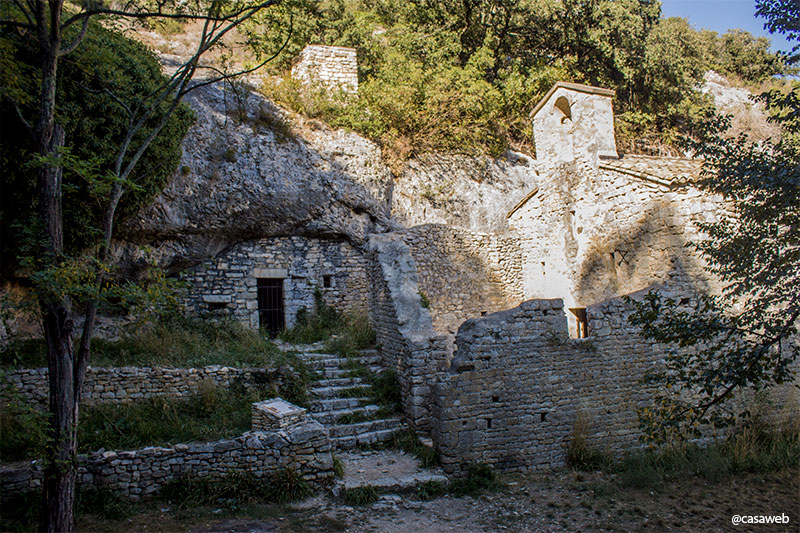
x: 270, y: 305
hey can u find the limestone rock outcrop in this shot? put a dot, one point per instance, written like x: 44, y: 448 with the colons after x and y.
x: 250, y: 172
x: 246, y: 175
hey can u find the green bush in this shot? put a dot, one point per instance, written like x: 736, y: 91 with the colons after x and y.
x: 345, y: 333
x: 23, y: 427
x: 286, y: 486
x: 234, y: 489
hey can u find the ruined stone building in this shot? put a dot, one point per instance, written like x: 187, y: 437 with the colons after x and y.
x: 521, y: 261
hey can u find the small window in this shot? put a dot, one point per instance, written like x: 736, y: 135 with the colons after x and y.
x: 562, y: 104
x: 217, y: 306
x: 581, y: 322
x: 327, y: 282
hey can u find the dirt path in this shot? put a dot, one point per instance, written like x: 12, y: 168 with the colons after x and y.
x: 557, y: 501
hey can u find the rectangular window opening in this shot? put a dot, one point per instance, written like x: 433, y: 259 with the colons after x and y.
x: 327, y: 282
x: 581, y: 322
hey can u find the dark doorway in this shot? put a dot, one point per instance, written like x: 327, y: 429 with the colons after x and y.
x: 270, y: 305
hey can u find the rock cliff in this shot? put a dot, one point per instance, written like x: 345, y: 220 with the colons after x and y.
x: 249, y: 171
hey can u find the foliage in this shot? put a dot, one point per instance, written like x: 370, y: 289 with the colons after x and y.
x: 463, y: 76
x: 22, y: 425
x: 580, y: 455
x: 108, y: 71
x: 174, y: 341
x: 234, y: 489
x: 745, y: 337
x: 479, y: 478
x: 214, y: 413
x: 755, y: 447
x: 345, y: 333
x: 360, y: 495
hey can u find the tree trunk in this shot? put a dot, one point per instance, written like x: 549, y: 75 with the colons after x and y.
x: 60, y: 469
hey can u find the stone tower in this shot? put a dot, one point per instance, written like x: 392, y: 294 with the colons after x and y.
x: 574, y: 121
x: 329, y: 66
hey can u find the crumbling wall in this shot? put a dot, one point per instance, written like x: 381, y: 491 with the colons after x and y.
x: 517, y: 385
x: 330, y: 66
x: 226, y: 284
x: 404, y: 332
x: 464, y: 274
x: 304, y: 447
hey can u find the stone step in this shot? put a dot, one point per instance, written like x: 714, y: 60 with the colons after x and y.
x: 331, y: 417
x: 333, y: 404
x: 323, y: 359
x: 348, y: 442
x: 315, y: 356
x: 336, y: 392
x: 320, y: 364
x: 338, y: 382
x: 336, y: 372
x: 360, y: 428
x: 395, y: 483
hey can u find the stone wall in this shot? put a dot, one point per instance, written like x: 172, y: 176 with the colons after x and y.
x: 330, y: 66
x: 305, y: 448
x: 226, y: 285
x: 407, y: 341
x: 127, y: 384
x: 517, y: 385
x: 464, y: 274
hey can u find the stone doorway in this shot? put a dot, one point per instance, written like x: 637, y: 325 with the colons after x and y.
x: 271, y: 312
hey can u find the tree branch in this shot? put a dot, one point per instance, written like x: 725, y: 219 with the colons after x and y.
x: 74, y: 44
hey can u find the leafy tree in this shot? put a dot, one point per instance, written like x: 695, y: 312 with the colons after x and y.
x: 94, y: 124
x: 54, y: 30
x: 747, y: 336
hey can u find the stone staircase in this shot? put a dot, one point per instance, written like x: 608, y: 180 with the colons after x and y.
x: 342, y: 402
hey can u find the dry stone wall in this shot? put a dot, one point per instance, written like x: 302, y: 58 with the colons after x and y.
x: 128, y: 384
x: 517, y: 385
x: 464, y: 274
x: 330, y: 66
x: 226, y: 285
x: 305, y: 448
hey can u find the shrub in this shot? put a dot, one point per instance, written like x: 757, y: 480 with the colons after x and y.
x: 580, y: 455
x: 286, y: 486
x: 479, y: 478
x: 23, y: 426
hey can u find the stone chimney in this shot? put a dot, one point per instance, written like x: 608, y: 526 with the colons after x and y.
x: 329, y: 66
x: 574, y: 121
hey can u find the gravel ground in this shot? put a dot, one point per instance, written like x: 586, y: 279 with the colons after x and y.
x: 556, y: 501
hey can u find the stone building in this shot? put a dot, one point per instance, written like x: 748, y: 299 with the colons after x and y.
x: 497, y: 302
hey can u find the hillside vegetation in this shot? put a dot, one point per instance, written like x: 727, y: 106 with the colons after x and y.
x: 463, y: 75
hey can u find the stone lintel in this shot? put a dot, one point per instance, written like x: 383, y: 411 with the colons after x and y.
x: 270, y: 273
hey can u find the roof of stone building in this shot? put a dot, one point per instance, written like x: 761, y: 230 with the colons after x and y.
x: 668, y: 171
x: 575, y: 87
